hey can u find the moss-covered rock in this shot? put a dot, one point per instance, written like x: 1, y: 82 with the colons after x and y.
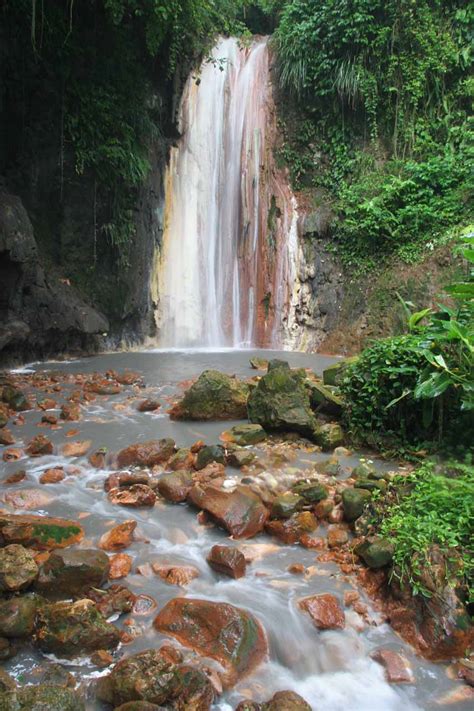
x: 68, y: 573
x: 354, y: 502
x: 245, y: 435
x: 324, y: 399
x: 71, y: 629
x: 40, y: 532
x: 17, y: 568
x: 286, y: 505
x: 214, y: 396
x: 41, y: 698
x: 333, y: 374
x: 208, y: 454
x: 175, y: 486
x: 375, y: 552
x: 17, y: 616
x: 281, y: 401
x: 329, y: 436
x: 310, y: 491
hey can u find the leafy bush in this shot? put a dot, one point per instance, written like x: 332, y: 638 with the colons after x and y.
x: 433, y: 506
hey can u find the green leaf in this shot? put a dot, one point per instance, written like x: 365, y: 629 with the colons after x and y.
x: 434, y: 386
x: 418, y: 316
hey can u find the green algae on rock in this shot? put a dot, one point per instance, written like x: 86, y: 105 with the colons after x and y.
x: 214, y: 396
x: 40, y: 532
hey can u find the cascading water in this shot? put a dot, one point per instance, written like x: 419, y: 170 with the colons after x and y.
x: 225, y: 269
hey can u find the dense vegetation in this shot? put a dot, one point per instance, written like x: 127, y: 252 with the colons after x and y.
x: 377, y: 98
x: 417, y: 390
x: 428, y: 516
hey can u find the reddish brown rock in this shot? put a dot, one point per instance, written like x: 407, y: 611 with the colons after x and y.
x: 102, y: 659
x: 197, y: 446
x: 296, y: 569
x: 176, y: 574
x: 27, y: 499
x: 397, y: 668
x: 120, y: 566
x: 146, y: 454
x: 119, y: 537
x: 227, y: 560
x: 325, y: 611
x: 184, y: 459
x: 175, y: 486
x: 232, y: 636
x: 76, y: 449
x: 337, y: 536
x: 11, y: 455
x: 52, y: 476
x: 123, y: 480
x: 129, y: 377
x: 6, y: 437
x: 117, y: 599
x: 240, y: 512
x: 293, y: 529
x: 47, y: 404
x: 15, y: 478
x: 39, y: 446
x: 70, y: 412
x: 98, y: 459
x: 148, y: 406
x: 103, y: 387
x: 136, y: 496
x: 49, y: 419
x: 40, y: 532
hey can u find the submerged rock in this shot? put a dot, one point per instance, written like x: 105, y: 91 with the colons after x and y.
x: 228, y: 634
x: 227, y: 560
x: 241, y: 512
x: 281, y: 401
x: 325, y: 611
x: 214, y: 396
x: 41, y: 698
x: 146, y: 454
x: 153, y: 677
x: 40, y: 532
x: 71, y: 629
x: 17, y: 568
x: 68, y: 573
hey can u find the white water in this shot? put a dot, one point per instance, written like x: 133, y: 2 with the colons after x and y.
x: 212, y: 260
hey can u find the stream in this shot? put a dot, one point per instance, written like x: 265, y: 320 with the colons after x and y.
x: 332, y: 670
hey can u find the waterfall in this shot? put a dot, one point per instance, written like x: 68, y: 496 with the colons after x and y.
x: 224, y: 270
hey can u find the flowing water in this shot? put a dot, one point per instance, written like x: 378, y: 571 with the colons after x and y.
x: 227, y: 267
x: 331, y: 669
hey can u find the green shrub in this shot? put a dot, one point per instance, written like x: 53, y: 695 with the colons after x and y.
x: 433, y: 506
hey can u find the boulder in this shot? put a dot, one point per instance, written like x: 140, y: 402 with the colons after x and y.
x: 72, y: 629
x: 214, y: 396
x: 241, y: 512
x: 146, y: 454
x: 68, y: 573
x: 118, y: 537
x: 227, y: 560
x: 325, y: 400
x: 153, y: 677
x: 228, y: 634
x: 329, y: 436
x: 244, y: 435
x: 286, y: 701
x: 17, y: 568
x: 136, y: 496
x: 281, y: 401
x: 325, y: 611
x: 208, y: 454
x: 40, y: 698
x: 354, y: 502
x: 40, y: 532
x: 17, y: 616
x: 337, y: 535
x: 258, y: 363
x: 175, y: 486
x: 276, y: 364
x: 375, y: 552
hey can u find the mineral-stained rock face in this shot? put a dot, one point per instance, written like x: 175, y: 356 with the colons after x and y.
x: 67, y: 573
x: 241, y: 512
x: 223, y: 632
x: 155, y: 678
x: 146, y: 454
x: 281, y: 401
x: 71, y: 629
x: 325, y: 611
x: 40, y: 532
x: 38, y: 698
x: 17, y: 568
x: 214, y: 396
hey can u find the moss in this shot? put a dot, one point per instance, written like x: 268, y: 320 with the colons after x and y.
x: 48, y: 532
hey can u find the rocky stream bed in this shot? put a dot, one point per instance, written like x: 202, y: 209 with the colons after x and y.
x: 161, y: 552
